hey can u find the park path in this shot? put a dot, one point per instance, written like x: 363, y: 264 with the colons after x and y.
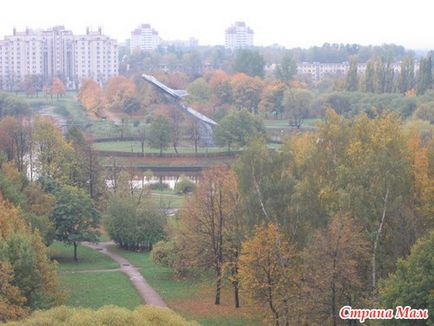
x: 148, y: 294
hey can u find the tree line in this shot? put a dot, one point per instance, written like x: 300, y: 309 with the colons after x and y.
x: 329, y: 220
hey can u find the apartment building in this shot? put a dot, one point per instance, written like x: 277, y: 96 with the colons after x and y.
x: 317, y: 71
x: 144, y: 38
x: 238, y: 36
x: 56, y: 52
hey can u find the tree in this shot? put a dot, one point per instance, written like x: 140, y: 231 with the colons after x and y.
x: 15, y: 141
x: 297, y: 103
x: 24, y: 264
x: 406, y: 79
x: 57, y: 88
x: 246, y: 92
x: 268, y: 272
x: 131, y: 105
x: 286, y: 70
x: 272, y: 99
x: 203, y: 231
x: 199, y: 91
x: 370, y: 77
x: 249, y: 62
x: 237, y: 127
x: 55, y: 157
x: 424, y: 77
x: 159, y: 133
x: 332, y: 270
x: 352, y: 77
x: 75, y: 217
x: 221, y: 88
x: 412, y: 284
x: 133, y: 224
x: 117, y: 91
x: 91, y: 96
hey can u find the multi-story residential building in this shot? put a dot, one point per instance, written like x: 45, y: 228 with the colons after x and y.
x: 238, y: 36
x: 144, y: 38
x: 56, y: 52
x: 96, y: 56
x: 317, y: 71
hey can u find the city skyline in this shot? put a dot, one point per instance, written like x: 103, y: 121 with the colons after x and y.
x: 300, y: 24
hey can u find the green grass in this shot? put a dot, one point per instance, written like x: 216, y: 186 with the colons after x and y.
x: 159, y: 277
x: 175, y: 291
x: 94, y: 290
x: 283, y: 124
x: 87, y: 258
x: 135, y: 146
x: 168, y: 200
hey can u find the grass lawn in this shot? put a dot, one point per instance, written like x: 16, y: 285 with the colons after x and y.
x: 193, y: 298
x: 168, y: 200
x: 135, y: 146
x: 87, y: 258
x: 283, y: 124
x: 94, y: 290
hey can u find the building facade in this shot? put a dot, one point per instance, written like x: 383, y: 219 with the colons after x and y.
x: 317, y: 70
x: 238, y: 36
x: 144, y: 38
x: 56, y: 53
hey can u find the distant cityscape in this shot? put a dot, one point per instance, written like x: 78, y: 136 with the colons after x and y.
x: 57, y: 52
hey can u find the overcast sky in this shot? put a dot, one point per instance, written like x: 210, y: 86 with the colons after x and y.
x: 291, y: 23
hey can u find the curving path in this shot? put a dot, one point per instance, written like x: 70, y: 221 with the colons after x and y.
x: 148, y: 294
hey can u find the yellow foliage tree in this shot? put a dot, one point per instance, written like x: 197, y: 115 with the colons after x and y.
x: 269, y: 273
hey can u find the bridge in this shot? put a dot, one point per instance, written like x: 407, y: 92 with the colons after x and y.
x: 175, y: 96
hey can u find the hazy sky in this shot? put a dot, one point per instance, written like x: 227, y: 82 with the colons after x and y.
x: 290, y: 23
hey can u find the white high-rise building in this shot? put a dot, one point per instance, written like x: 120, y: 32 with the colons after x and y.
x: 238, y: 36
x: 144, y: 38
x: 56, y: 52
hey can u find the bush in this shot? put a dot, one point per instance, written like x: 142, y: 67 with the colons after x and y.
x: 133, y: 225
x: 107, y: 315
x: 184, y: 186
x: 169, y: 254
x: 162, y: 253
x: 159, y: 186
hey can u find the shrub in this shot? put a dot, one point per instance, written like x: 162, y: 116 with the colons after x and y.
x: 133, y: 225
x: 107, y: 315
x: 184, y: 186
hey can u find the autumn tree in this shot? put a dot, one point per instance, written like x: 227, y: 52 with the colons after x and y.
x: 57, y: 88
x: 272, y: 99
x: 221, y: 88
x: 269, y: 273
x: 333, y: 270
x: 55, y: 157
x: 206, y: 223
x: 90, y: 95
x: 25, y: 265
x: 117, y: 91
x: 246, y: 92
